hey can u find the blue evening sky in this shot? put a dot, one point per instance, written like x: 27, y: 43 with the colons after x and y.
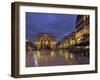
x: 58, y: 24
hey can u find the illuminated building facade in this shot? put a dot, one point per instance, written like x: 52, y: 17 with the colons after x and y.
x: 82, y: 28
x: 82, y: 33
x: 67, y: 41
x: 80, y: 36
x: 45, y: 40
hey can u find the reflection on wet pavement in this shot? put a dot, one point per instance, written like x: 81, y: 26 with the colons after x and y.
x: 53, y: 58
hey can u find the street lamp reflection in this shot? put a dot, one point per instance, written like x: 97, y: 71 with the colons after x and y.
x: 66, y: 56
x: 35, y: 59
x: 38, y: 54
x: 71, y: 56
x: 52, y: 53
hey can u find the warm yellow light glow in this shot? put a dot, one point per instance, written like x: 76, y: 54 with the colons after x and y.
x: 38, y: 54
x: 52, y: 53
x: 71, y: 56
x: 66, y: 56
x: 61, y: 46
x: 64, y: 44
x: 36, y: 42
x: 46, y: 42
x: 87, y: 47
x: 54, y: 43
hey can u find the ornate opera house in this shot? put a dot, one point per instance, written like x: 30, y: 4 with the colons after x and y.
x: 45, y: 40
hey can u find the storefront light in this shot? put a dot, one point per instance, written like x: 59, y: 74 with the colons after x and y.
x: 46, y: 42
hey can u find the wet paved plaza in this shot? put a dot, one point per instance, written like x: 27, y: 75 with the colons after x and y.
x: 54, y: 58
